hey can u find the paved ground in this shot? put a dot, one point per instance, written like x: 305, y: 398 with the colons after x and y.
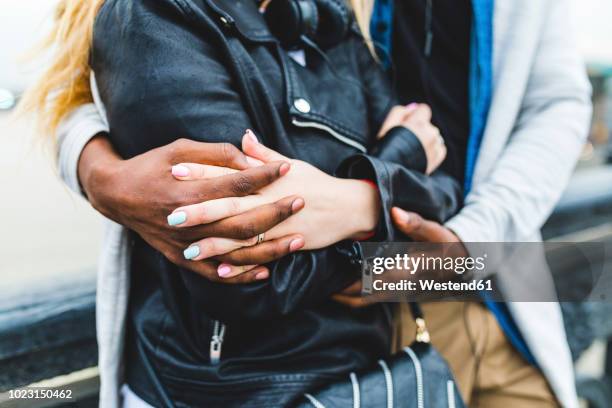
x: 46, y: 232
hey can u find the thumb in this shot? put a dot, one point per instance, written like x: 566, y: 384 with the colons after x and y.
x: 252, y: 147
x: 407, y: 222
x: 419, y: 229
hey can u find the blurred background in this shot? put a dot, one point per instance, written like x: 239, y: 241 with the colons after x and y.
x: 51, y: 237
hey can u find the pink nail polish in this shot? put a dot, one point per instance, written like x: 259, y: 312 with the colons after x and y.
x: 261, y: 275
x: 296, y: 244
x: 412, y: 105
x: 251, y: 135
x: 224, y: 270
x: 180, y: 171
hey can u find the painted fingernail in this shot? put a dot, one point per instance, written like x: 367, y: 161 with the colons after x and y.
x: 224, y: 270
x: 262, y: 275
x: 297, y: 205
x: 180, y: 171
x: 296, y: 244
x: 412, y: 105
x: 284, y: 169
x: 177, y: 218
x: 191, y: 252
x: 251, y: 135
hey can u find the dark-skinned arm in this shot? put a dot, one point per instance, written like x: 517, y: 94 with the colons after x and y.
x: 139, y: 193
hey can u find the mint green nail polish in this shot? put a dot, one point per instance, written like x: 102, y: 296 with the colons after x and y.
x: 191, y: 252
x: 177, y: 218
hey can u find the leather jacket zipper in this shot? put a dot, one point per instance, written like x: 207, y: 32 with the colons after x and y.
x: 330, y: 131
x: 216, y: 341
x: 419, y: 376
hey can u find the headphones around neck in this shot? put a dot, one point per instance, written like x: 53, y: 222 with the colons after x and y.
x: 324, y: 22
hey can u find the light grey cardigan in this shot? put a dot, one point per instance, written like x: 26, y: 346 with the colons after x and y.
x: 535, y: 131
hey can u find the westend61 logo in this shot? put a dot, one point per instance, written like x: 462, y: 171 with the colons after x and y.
x: 414, y: 264
x: 436, y: 273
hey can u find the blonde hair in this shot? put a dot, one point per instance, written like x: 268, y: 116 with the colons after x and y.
x: 363, y: 14
x: 65, y: 84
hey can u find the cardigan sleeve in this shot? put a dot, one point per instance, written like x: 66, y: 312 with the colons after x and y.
x: 512, y: 198
x: 73, y: 133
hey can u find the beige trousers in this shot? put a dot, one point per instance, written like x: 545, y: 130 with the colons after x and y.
x: 490, y: 373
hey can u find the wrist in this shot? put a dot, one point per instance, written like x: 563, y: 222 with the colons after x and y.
x: 361, y: 211
x: 97, y: 168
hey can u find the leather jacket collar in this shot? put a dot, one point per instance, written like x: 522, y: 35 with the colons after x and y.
x: 240, y: 13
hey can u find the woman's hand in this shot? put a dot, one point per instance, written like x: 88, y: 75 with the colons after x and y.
x: 335, y: 209
x: 417, y: 118
x: 139, y: 193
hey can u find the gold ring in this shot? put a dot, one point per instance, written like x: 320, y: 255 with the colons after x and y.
x: 260, y: 238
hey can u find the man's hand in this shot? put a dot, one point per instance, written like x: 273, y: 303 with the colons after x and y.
x: 329, y: 199
x: 416, y: 228
x: 141, y: 192
x: 419, y: 229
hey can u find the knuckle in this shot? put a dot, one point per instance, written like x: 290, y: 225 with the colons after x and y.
x: 175, y: 234
x: 247, y: 230
x: 176, y: 199
x: 242, y: 185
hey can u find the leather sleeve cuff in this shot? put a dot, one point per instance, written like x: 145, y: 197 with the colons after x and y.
x: 362, y: 166
x: 400, y: 145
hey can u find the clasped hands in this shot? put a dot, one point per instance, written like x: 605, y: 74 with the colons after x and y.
x: 208, y: 217
x: 316, y: 201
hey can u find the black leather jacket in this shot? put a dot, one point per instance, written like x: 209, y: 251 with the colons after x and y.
x: 171, y: 68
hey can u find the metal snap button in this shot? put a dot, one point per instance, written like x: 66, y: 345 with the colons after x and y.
x: 301, y: 105
x: 224, y: 21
